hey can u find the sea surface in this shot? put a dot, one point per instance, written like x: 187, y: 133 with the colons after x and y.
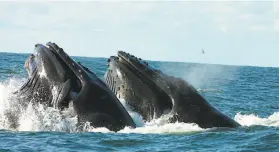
x: 247, y: 94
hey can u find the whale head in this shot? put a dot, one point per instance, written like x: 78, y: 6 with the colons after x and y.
x: 153, y: 94
x: 46, y: 63
x: 49, y: 68
x: 132, y: 79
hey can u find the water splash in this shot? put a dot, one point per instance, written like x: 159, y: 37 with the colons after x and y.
x: 159, y: 126
x: 41, y: 118
x: 137, y: 118
x: 37, y: 117
x: 33, y: 117
x: 253, y: 120
x: 8, y: 109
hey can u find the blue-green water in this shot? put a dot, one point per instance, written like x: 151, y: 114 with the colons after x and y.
x: 247, y: 94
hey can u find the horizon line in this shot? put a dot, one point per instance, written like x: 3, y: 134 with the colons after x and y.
x: 223, y: 64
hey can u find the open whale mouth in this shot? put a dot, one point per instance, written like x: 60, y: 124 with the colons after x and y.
x: 51, y: 68
x: 51, y: 81
x: 152, y: 93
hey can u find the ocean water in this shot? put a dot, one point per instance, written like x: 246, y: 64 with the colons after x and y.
x: 249, y: 95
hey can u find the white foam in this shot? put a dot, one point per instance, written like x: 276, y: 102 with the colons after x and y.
x: 40, y: 118
x: 252, y: 120
x: 37, y: 117
x: 8, y: 109
x: 157, y: 126
x: 88, y: 128
x: 137, y: 118
x: 33, y: 117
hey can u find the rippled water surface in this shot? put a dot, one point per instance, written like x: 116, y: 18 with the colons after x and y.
x: 247, y: 94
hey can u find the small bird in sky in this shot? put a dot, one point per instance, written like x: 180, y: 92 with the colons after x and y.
x: 203, y: 51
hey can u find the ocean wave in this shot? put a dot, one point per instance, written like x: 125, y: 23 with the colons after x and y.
x: 208, y: 90
x: 253, y: 120
x: 37, y: 117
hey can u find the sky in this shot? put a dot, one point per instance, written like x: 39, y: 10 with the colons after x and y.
x: 230, y: 32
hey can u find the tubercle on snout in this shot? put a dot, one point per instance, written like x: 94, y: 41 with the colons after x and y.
x: 131, y: 58
x: 76, y: 68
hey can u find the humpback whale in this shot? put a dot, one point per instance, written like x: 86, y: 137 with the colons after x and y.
x: 51, y: 70
x: 152, y: 93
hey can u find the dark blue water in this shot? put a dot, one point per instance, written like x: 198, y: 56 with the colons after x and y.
x: 247, y: 94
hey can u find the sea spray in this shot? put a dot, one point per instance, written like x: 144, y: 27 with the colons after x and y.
x: 137, y: 118
x: 34, y: 116
x: 38, y: 117
x: 252, y: 120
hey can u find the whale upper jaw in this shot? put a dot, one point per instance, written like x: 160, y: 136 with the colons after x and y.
x: 153, y: 93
